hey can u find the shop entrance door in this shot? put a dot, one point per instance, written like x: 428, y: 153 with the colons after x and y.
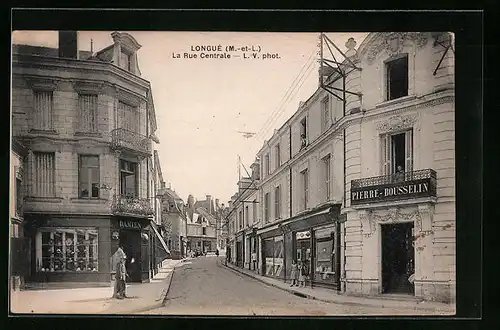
x: 131, y: 242
x: 303, y: 253
x: 398, y: 258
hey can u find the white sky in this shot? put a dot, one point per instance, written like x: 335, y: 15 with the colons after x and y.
x: 201, y: 104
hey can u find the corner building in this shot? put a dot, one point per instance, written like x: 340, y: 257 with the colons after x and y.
x: 399, y: 237
x: 88, y: 123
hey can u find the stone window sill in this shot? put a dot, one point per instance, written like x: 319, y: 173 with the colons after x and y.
x: 95, y: 200
x: 396, y: 101
x: 93, y: 134
x: 44, y: 199
x: 43, y: 131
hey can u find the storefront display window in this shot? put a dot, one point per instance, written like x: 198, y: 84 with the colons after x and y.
x: 269, y: 256
x: 273, y: 254
x: 324, y: 260
x: 70, y: 250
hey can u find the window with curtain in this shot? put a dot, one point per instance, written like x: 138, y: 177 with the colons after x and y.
x: 42, y: 112
x: 43, y: 174
x: 88, y: 176
x: 327, y: 174
x: 67, y: 249
x: 88, y: 112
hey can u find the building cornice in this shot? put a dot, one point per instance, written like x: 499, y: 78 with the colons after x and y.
x: 54, y: 63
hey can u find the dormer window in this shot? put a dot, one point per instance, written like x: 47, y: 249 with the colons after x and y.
x: 397, y: 78
x: 125, y: 61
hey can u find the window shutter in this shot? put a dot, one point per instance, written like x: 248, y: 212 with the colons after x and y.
x: 386, y: 154
x: 409, y: 153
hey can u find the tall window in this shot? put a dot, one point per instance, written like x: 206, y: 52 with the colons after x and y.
x: 277, y: 202
x: 19, y: 197
x: 128, y: 178
x: 397, y: 153
x: 88, y: 182
x: 128, y: 117
x: 44, y: 174
x: 303, y: 132
x: 267, y: 164
x: 254, y: 210
x: 266, y: 207
x: 278, y: 155
x: 247, y: 218
x: 125, y: 61
x: 67, y: 249
x: 88, y: 112
x: 240, y: 216
x: 397, y: 78
x: 43, y: 107
x: 325, y: 114
x: 327, y: 173
x: 204, y: 230
x: 305, y: 183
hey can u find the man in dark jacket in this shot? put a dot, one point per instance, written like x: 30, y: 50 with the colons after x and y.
x: 121, y: 276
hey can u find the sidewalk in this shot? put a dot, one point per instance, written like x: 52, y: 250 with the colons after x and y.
x: 97, y: 300
x: 330, y: 296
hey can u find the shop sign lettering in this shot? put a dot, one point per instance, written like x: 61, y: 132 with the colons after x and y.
x: 130, y: 224
x: 411, y: 189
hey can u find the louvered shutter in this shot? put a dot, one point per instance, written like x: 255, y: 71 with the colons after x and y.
x: 386, y: 154
x: 409, y: 154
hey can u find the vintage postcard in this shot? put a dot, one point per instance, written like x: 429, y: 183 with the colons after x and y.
x: 233, y: 173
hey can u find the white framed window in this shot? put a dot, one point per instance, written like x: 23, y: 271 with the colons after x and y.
x: 128, y: 117
x: 305, y: 187
x: 128, y: 178
x: 88, y: 176
x: 325, y: 113
x: 43, y: 174
x: 67, y: 249
x: 327, y: 176
x: 397, y: 77
x: 88, y: 112
x: 277, y: 202
x: 397, y: 153
x: 43, y: 110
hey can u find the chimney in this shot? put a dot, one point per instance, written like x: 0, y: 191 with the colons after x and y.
x: 209, y: 200
x: 68, y: 44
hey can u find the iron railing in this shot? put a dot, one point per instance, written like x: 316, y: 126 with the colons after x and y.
x: 132, y: 205
x: 394, y: 178
x: 124, y: 139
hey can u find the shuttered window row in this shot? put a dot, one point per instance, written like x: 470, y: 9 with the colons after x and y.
x: 43, y: 174
x: 42, y: 112
x: 88, y: 112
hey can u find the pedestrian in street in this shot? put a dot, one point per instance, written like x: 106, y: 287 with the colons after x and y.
x: 115, y: 260
x: 294, y: 274
x: 121, y: 276
x: 302, y: 277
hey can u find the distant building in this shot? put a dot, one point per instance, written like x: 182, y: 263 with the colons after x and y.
x: 201, y: 226
x: 174, y: 222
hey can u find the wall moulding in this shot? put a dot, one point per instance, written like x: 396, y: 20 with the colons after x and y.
x: 394, y: 43
x: 41, y: 83
x: 397, y: 123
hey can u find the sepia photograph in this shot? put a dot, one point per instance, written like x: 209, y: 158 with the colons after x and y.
x: 232, y: 173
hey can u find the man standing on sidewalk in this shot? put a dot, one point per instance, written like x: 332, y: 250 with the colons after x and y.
x: 121, y: 275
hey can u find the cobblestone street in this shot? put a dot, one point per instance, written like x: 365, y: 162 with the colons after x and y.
x: 202, y: 287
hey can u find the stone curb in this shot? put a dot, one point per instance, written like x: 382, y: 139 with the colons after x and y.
x: 308, y: 296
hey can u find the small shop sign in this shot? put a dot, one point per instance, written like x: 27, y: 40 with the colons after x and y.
x: 127, y: 224
x: 303, y: 235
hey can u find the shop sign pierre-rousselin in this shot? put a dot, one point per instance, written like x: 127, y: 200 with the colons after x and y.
x: 392, y: 191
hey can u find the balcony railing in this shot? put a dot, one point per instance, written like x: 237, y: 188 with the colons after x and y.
x: 405, y: 185
x: 132, y: 205
x: 124, y: 139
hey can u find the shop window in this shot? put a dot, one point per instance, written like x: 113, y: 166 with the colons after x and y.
x: 397, y: 78
x: 44, y: 174
x: 277, y: 202
x: 88, y: 112
x: 67, y: 250
x: 397, y: 155
x: 325, y: 114
x: 325, y: 256
x: 88, y: 173
x: 43, y: 108
x: 128, y: 178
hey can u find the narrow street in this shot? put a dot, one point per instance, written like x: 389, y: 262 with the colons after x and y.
x: 203, y: 287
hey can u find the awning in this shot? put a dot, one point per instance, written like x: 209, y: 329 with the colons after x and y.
x: 153, y: 225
